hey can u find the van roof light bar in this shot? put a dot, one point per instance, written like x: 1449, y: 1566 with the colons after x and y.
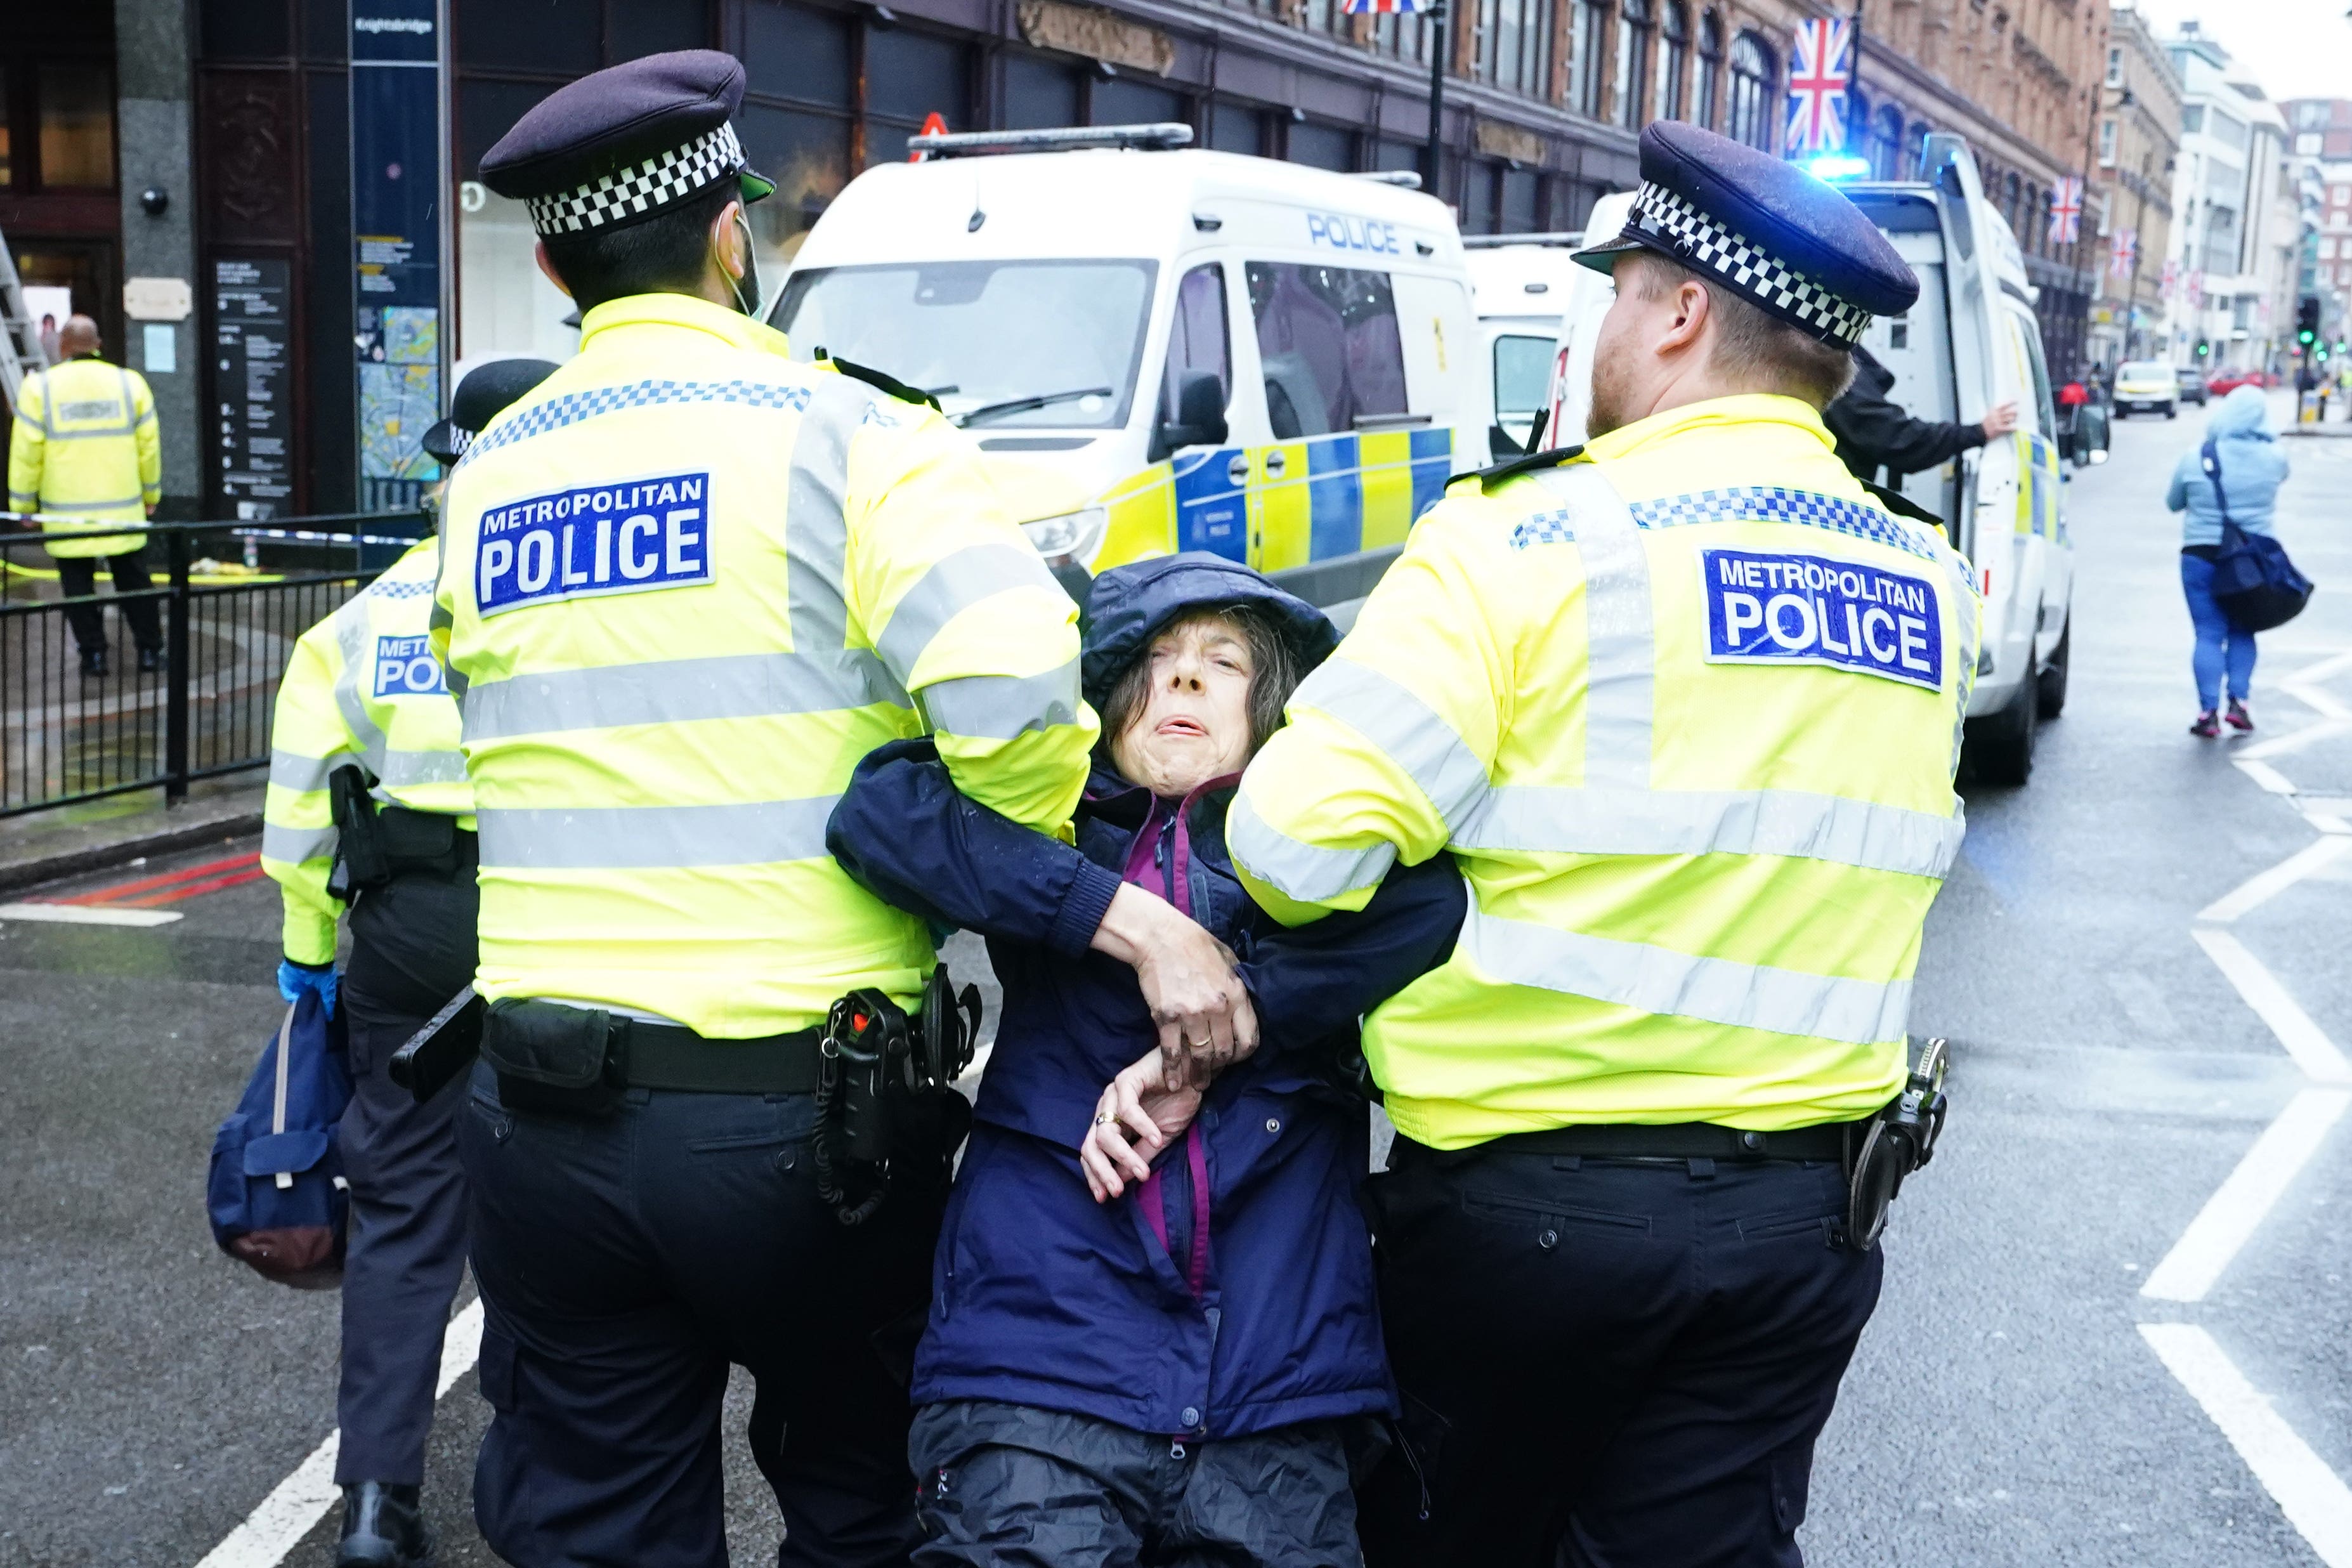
x: 1402, y: 179
x: 1157, y: 138
x: 1496, y: 241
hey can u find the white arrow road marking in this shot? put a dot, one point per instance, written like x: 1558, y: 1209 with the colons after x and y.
x: 2306, y: 1041
x: 2314, y: 1501
x: 2238, y: 1207
x: 2304, y: 862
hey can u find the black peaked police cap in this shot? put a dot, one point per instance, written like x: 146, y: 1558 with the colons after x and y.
x: 486, y: 393
x: 627, y: 143
x: 1767, y: 230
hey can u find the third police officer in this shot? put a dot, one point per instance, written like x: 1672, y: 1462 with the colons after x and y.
x: 1684, y: 704
x: 689, y: 584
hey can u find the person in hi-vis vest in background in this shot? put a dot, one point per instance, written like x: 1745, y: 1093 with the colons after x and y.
x: 85, y: 452
x: 1684, y: 706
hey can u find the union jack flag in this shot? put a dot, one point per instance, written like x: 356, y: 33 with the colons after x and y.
x: 1381, y: 8
x: 2171, y: 278
x: 2123, y: 252
x: 1818, y: 79
x: 2066, y: 211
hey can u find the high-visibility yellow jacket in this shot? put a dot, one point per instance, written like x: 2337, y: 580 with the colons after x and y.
x: 85, y: 451
x: 688, y: 585
x: 363, y: 686
x: 1686, y: 712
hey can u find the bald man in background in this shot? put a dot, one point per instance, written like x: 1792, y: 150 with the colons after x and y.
x: 85, y: 453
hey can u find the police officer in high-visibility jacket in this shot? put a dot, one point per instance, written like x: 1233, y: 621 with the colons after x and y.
x: 363, y: 692
x: 1683, y: 705
x: 85, y: 452
x: 688, y: 583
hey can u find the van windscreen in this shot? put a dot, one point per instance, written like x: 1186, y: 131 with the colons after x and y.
x: 1003, y: 344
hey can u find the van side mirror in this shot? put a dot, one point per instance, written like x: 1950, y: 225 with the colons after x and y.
x: 1200, y: 416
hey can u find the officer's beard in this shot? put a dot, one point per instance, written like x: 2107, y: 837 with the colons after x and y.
x: 1611, y: 396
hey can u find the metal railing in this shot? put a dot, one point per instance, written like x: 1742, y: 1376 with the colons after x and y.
x: 230, y: 602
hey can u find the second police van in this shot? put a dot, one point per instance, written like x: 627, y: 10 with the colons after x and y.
x: 1160, y: 348
x: 1972, y: 340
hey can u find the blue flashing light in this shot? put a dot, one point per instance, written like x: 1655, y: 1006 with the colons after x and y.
x: 1838, y: 167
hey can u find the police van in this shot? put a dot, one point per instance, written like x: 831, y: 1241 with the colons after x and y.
x: 1971, y: 340
x: 1161, y: 348
x: 1520, y: 285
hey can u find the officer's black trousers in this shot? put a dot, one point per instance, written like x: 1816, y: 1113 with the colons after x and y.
x: 1605, y: 1363
x: 411, y: 950
x: 78, y: 579
x: 624, y: 1262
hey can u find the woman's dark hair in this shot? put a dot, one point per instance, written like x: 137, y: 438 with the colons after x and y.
x: 1273, y: 673
x: 663, y: 254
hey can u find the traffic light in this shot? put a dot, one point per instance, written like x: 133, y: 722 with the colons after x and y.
x: 2307, y: 319
x: 2201, y: 348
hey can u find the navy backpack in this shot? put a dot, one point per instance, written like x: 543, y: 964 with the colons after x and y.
x: 2254, y: 582
x: 277, y: 1198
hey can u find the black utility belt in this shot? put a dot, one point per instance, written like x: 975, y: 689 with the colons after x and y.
x: 426, y: 844
x: 1687, y: 1140
x: 550, y: 1057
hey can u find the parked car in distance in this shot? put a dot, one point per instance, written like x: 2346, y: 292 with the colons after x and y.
x: 2192, y: 386
x: 2146, y: 385
x: 2228, y: 381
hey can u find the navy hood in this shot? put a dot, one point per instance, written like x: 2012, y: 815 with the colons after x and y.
x: 1130, y: 605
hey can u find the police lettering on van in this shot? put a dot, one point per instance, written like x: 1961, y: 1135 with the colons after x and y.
x: 404, y: 667
x: 1805, y: 609
x: 614, y: 539
x: 1339, y: 232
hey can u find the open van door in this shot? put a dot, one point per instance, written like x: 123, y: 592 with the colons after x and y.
x: 1587, y: 301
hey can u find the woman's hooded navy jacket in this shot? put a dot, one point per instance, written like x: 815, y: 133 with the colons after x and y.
x: 1133, y: 1311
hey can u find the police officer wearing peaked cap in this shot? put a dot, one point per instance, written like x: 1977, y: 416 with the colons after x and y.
x: 689, y: 584
x: 1683, y: 705
x: 363, y: 692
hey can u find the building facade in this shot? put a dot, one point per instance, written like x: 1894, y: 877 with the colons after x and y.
x: 2238, y: 228
x: 2131, y: 193
x: 2022, y: 81
x: 2321, y: 128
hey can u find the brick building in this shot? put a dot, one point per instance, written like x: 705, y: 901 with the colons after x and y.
x: 2131, y: 193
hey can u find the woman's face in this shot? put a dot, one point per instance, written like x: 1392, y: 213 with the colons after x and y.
x: 1193, y: 723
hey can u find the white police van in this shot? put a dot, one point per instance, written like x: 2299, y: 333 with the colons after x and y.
x: 1970, y: 342
x: 1520, y: 285
x: 1160, y: 348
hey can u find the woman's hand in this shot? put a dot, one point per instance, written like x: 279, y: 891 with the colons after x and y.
x: 1201, y: 1008
x: 1136, y: 1102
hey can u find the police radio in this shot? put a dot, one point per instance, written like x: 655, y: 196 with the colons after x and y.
x: 1899, y: 1140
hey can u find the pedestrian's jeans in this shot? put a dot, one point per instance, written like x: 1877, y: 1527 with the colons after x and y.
x: 411, y: 950
x: 2221, y: 646
x: 1605, y: 1363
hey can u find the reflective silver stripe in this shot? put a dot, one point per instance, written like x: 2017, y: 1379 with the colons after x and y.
x: 1307, y: 872
x: 1567, y: 821
x: 1957, y: 571
x: 1411, y: 733
x: 93, y: 505
x: 403, y: 769
x: 292, y: 770
x: 296, y: 845
x: 1660, y: 980
x: 438, y: 617
x: 1620, y: 645
x: 351, y: 633
x: 952, y: 585
x: 654, y: 838
x: 93, y: 432
x: 999, y: 706
x: 677, y: 692
x: 817, y: 520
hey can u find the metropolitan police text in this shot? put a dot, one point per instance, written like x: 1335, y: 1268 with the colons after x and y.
x: 1807, y: 609
x: 614, y: 538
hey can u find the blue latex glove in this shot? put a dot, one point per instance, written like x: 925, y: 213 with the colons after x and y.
x: 293, y: 979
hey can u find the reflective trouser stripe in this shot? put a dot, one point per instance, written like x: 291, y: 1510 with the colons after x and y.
x: 1660, y: 980
x: 1540, y: 820
x: 953, y: 584
x: 677, y: 691
x: 649, y: 837
x: 1000, y: 707
x: 1309, y: 873
x: 295, y: 844
x: 1620, y: 642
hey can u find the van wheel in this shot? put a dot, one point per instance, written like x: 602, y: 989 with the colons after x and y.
x: 2050, y: 686
x: 2000, y: 746
x: 2172, y: 411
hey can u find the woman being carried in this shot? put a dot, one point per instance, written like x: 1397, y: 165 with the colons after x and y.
x: 1154, y: 1335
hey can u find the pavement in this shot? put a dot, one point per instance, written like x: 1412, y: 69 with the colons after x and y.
x: 2022, y: 1399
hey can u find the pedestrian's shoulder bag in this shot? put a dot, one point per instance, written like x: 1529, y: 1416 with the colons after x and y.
x: 2254, y: 582
x: 277, y: 1195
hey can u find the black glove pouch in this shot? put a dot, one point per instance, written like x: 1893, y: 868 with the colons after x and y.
x: 564, y: 1061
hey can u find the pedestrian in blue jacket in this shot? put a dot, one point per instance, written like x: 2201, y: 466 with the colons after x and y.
x: 2253, y: 467
x: 1154, y: 1336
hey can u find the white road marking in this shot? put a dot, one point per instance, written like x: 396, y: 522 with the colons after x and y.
x: 2313, y: 697
x: 2262, y: 774
x: 2316, y: 1502
x: 2306, y: 1041
x: 85, y: 915
x: 2294, y: 740
x: 2334, y: 665
x: 302, y: 1499
x: 2238, y: 1207
x: 2268, y: 884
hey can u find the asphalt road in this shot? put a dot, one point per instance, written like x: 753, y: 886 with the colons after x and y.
x: 2005, y: 1408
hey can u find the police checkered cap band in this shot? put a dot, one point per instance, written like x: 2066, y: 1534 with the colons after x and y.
x: 459, y: 439
x: 1707, y: 246
x: 642, y: 188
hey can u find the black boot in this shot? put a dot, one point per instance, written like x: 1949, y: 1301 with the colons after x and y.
x: 93, y: 660
x: 383, y: 1528
x: 150, y: 660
